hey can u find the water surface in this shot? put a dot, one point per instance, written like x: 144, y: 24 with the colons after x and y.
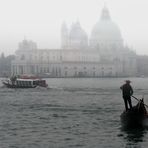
x: 71, y: 113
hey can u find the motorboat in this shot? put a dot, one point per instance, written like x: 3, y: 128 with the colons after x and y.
x: 24, y: 82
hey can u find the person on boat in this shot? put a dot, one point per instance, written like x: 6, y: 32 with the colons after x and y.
x: 127, y: 92
x: 13, y: 79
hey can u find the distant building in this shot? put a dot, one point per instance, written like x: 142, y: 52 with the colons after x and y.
x: 103, y: 54
x: 142, y: 68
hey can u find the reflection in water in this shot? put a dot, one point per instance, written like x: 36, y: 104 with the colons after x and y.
x: 134, y: 136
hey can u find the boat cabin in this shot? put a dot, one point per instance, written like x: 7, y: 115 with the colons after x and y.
x: 25, y: 83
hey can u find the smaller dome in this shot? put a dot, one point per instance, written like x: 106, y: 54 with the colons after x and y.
x: 27, y: 45
x: 77, y: 37
x: 77, y: 32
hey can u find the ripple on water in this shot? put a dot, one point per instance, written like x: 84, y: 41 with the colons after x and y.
x: 67, y: 115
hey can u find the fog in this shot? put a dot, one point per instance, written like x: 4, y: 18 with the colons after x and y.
x: 40, y: 21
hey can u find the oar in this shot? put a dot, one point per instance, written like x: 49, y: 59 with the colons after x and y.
x: 139, y: 100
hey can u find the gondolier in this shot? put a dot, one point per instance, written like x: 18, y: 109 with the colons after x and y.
x: 127, y: 92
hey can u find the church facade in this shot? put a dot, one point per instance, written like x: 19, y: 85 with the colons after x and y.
x: 103, y: 54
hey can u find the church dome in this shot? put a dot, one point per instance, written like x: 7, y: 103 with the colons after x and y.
x: 77, y: 36
x: 27, y: 45
x: 77, y: 32
x: 105, y: 31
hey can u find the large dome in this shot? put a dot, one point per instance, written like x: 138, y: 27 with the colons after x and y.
x: 105, y: 31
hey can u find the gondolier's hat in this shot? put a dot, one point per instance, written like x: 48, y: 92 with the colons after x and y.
x: 127, y: 81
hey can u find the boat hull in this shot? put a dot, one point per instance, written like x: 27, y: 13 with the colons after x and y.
x: 25, y: 82
x: 133, y: 119
x: 16, y: 86
x: 136, y: 116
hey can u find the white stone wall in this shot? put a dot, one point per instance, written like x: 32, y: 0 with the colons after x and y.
x: 71, y: 63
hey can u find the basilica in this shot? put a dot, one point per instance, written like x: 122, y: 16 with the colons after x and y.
x: 102, y: 54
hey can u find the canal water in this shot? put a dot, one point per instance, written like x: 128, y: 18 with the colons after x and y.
x: 70, y: 113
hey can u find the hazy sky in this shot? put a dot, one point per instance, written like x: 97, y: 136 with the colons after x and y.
x: 40, y: 21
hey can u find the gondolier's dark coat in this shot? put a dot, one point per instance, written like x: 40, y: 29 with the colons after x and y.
x: 127, y: 91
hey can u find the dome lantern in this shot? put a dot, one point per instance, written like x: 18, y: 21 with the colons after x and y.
x: 105, y: 14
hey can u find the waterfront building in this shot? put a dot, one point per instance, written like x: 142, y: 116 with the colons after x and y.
x: 103, y: 54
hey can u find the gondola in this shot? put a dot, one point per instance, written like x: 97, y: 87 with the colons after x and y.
x: 135, y: 117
